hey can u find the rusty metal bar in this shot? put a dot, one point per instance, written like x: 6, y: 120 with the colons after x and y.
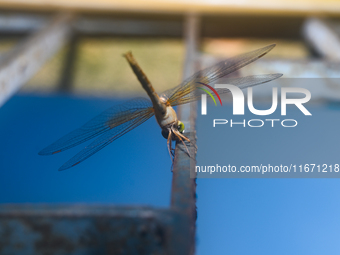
x: 322, y: 37
x: 187, y: 114
x: 24, y: 60
x: 128, y: 26
x: 156, y: 25
x: 85, y: 229
x: 183, y: 194
x: 85, y: 25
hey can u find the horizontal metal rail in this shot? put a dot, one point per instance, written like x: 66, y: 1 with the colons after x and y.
x: 260, y: 7
x: 86, y: 229
x: 160, y: 24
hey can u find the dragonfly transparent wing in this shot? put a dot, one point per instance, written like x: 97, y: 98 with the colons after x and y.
x: 108, y: 137
x: 242, y: 82
x: 106, y: 122
x: 188, y: 88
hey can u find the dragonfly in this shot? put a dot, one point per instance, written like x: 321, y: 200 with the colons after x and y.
x: 120, y: 119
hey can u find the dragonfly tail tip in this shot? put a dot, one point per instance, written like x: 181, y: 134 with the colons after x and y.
x: 125, y: 55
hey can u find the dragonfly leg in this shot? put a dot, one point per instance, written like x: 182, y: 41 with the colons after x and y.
x: 180, y: 136
x: 173, y: 152
x: 172, y: 149
x: 170, y: 145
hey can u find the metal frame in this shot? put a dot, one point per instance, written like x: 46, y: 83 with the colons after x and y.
x: 92, y: 229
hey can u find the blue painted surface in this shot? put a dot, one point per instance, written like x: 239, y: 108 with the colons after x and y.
x: 269, y: 216
x: 235, y: 216
x: 135, y: 169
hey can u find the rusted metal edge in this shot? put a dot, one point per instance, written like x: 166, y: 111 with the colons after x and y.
x: 86, y: 229
x: 75, y: 210
x: 183, y: 194
x: 24, y: 60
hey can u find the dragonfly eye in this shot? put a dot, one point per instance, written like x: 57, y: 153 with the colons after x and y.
x: 180, y: 127
x: 165, y: 133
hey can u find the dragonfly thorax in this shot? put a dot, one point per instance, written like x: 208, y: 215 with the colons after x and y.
x: 168, y: 119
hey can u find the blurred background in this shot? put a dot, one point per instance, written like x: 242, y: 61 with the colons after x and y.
x: 61, y: 65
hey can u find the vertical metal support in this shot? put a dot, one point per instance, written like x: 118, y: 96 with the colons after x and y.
x: 19, y: 65
x: 183, y: 194
x: 68, y: 70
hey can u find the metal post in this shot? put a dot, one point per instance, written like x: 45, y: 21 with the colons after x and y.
x: 183, y: 196
x: 68, y: 71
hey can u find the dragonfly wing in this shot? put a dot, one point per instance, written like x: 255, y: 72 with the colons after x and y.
x: 242, y: 82
x: 214, y: 73
x: 108, y: 138
x: 106, y: 121
x: 248, y: 81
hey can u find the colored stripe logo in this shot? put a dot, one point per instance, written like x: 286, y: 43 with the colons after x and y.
x: 213, y: 90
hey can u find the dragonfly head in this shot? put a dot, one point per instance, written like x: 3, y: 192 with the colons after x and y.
x: 179, y: 126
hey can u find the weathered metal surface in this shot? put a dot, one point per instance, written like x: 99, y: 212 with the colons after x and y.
x: 85, y: 229
x: 21, y: 23
x: 86, y: 25
x: 183, y: 194
x: 165, y: 25
x: 156, y: 24
x: 323, y: 38
x: 68, y: 69
x: 24, y: 60
x: 128, y: 26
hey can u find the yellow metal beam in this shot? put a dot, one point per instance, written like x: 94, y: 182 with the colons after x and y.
x: 283, y: 7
